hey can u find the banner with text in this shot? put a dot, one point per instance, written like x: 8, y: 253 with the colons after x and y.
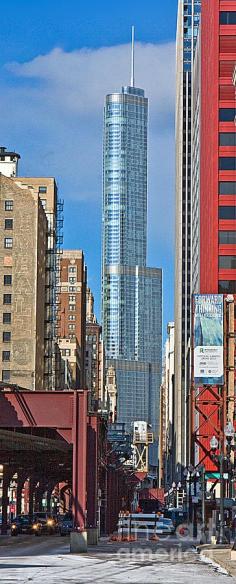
x: 208, y: 339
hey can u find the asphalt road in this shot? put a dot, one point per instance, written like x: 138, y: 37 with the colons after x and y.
x: 47, y: 560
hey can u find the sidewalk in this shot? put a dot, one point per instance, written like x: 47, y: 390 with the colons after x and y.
x: 221, y: 556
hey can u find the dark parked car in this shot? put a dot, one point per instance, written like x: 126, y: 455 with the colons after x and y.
x: 66, y: 525
x: 44, y: 523
x: 21, y: 524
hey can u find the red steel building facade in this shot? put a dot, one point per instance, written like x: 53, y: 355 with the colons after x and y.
x: 217, y: 194
x: 218, y: 148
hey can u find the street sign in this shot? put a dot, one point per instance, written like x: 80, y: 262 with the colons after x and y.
x: 212, y: 475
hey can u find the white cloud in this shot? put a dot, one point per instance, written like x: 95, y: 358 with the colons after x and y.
x: 52, y: 112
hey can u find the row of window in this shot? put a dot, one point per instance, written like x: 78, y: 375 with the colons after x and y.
x: 227, y: 188
x: 227, y: 237
x: 6, y: 298
x: 227, y: 287
x: 6, y: 375
x: 227, y: 163
x: 8, y: 242
x: 227, y: 212
x: 7, y: 280
x: 227, y: 139
x: 227, y: 262
x: 227, y: 114
x: 8, y: 223
x: 8, y: 205
x: 228, y: 17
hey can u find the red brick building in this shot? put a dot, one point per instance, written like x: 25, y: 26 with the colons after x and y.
x: 72, y: 312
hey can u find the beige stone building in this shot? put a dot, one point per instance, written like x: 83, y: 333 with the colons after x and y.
x: 23, y: 247
x: 46, y: 190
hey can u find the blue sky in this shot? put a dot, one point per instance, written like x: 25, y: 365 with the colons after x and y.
x: 58, y: 59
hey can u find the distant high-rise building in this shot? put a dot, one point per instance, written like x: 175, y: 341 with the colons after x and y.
x: 187, y: 33
x: 94, y: 358
x: 131, y: 292
x: 72, y: 313
x: 167, y: 407
x: 214, y: 191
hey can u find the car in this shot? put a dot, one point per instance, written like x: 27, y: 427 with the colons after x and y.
x: 177, y: 515
x: 21, y: 524
x: 44, y: 523
x: 165, y: 526
x: 66, y: 525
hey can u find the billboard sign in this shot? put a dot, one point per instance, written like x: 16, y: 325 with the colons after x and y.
x: 208, y: 339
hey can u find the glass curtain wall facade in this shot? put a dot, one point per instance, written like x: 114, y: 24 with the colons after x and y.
x: 187, y: 34
x: 131, y: 292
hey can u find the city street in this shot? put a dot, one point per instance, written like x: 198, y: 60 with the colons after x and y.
x: 47, y: 559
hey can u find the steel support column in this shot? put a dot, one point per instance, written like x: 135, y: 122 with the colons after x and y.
x: 92, y: 466
x: 79, y: 440
x: 7, y: 475
x: 21, y: 478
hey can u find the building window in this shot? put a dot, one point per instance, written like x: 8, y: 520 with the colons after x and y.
x: 227, y: 237
x: 227, y: 212
x: 6, y: 298
x: 8, y: 205
x: 72, y: 289
x: 8, y: 242
x: 8, y: 223
x: 227, y: 188
x: 72, y: 280
x: 7, y: 280
x: 227, y: 163
x: 227, y: 138
x: 5, y: 375
x: 6, y: 355
x: 227, y: 262
x: 72, y: 298
x: 42, y: 190
x: 227, y: 287
x: 71, y: 306
x: 44, y: 203
x: 6, y: 318
x: 227, y: 114
x: 228, y: 17
x: 71, y: 327
x: 68, y: 352
x: 6, y: 337
x: 71, y: 317
x: 72, y: 269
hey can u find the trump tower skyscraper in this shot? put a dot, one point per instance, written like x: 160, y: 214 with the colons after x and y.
x: 131, y: 292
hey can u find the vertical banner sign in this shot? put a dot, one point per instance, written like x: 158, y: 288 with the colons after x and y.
x: 208, y: 339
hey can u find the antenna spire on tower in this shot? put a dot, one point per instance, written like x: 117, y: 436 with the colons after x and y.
x: 132, y: 58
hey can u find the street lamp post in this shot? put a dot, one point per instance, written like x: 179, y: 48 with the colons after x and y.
x: 204, y: 535
x: 229, y: 434
x: 220, y: 458
x: 188, y: 474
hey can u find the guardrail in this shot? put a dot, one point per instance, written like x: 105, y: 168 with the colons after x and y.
x: 141, y: 524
